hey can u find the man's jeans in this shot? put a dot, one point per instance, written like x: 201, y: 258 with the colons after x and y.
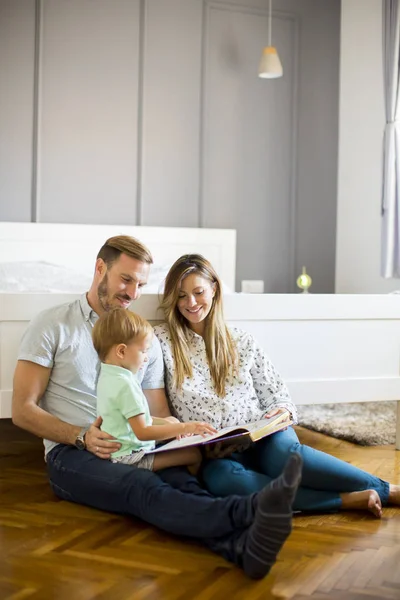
x: 171, y: 500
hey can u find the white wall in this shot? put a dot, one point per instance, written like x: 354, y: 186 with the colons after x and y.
x: 361, y: 125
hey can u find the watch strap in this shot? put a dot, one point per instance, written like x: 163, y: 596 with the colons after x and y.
x: 80, y: 438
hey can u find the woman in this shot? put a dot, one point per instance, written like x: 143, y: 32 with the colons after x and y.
x: 222, y: 376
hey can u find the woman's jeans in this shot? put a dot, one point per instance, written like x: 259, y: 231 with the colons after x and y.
x: 324, y: 477
x: 171, y: 499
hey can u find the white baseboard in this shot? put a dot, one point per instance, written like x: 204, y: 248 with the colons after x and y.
x: 330, y: 391
x: 5, y: 404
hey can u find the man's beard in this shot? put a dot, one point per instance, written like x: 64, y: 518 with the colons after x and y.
x: 104, y: 296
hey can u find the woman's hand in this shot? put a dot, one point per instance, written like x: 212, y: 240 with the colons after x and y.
x: 99, y: 442
x: 198, y: 428
x: 278, y: 411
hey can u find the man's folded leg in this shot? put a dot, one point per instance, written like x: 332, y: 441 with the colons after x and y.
x: 246, y: 530
x: 256, y: 548
x: 81, y: 477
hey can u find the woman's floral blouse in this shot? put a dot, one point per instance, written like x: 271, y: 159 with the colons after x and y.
x: 254, y: 391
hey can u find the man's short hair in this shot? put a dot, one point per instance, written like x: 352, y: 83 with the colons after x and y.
x: 118, y: 326
x: 124, y: 244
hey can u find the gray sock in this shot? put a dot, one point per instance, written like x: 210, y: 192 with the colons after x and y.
x: 273, y: 520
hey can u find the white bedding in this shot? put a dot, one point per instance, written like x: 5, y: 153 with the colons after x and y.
x: 46, y: 277
x: 41, y: 276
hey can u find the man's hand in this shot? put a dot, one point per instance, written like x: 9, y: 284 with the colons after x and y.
x: 97, y: 442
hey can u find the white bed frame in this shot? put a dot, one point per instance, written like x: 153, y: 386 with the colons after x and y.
x: 329, y: 348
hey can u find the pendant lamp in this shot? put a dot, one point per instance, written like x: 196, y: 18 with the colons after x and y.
x: 270, y: 64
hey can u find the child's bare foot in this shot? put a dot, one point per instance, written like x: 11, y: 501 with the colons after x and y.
x: 394, y: 494
x: 364, y: 500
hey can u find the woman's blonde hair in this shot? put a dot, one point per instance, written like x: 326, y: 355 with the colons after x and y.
x: 118, y: 326
x: 220, y: 348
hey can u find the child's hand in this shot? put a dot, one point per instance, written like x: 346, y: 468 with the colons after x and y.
x: 174, y: 420
x: 199, y: 428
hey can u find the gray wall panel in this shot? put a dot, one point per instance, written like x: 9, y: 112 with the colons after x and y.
x: 248, y: 151
x: 88, y: 111
x: 17, y: 59
x: 317, y: 124
x: 171, y: 113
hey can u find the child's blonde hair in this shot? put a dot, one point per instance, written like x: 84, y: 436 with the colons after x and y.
x: 118, y: 326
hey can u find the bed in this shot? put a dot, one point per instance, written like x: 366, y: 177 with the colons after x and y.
x: 329, y: 348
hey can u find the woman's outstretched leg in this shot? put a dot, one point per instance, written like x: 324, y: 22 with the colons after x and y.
x: 328, y: 484
x: 226, y: 477
x: 321, y: 471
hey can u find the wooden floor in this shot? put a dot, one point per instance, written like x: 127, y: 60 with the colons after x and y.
x: 53, y: 550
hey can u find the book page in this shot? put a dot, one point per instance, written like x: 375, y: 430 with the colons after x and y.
x: 196, y: 440
x: 225, y: 433
x: 265, y: 423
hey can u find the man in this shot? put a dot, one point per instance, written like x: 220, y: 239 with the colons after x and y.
x: 55, y: 398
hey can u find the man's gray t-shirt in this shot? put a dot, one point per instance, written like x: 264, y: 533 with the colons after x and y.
x: 60, y: 338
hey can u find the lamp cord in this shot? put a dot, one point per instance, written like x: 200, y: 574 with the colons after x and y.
x: 270, y: 24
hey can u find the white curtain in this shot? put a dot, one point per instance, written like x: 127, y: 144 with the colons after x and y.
x: 391, y: 158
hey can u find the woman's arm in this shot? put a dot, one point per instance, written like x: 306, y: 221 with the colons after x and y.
x: 271, y: 391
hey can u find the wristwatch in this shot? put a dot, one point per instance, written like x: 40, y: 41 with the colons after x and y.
x: 80, y: 439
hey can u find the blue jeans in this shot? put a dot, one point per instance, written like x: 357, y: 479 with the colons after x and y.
x: 324, y: 477
x: 171, y: 500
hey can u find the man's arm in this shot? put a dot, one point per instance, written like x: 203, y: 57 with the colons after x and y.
x: 154, y: 377
x: 158, y: 403
x: 30, y: 383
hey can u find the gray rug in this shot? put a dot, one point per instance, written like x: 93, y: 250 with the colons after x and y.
x: 364, y: 423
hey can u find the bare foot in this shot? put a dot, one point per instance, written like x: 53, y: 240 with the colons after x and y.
x: 374, y: 503
x: 394, y: 494
x: 364, y: 500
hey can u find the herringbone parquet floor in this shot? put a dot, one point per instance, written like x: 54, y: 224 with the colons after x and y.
x: 53, y: 550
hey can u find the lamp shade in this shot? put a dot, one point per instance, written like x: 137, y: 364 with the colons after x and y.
x: 270, y: 64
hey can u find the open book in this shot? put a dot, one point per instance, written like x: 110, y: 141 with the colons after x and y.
x: 256, y: 431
